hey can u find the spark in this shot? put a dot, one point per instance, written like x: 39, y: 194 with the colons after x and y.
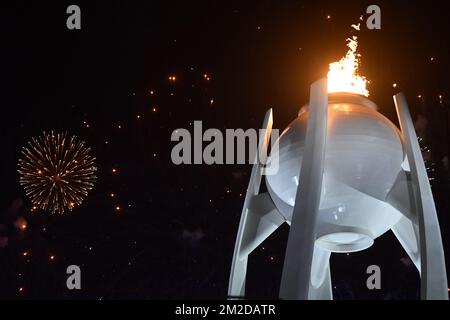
x: 356, y: 26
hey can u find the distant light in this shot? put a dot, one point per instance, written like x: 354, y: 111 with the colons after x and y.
x: 118, y: 208
x: 394, y: 85
x: 114, y: 170
x: 152, y: 92
x: 25, y: 253
x: 328, y: 17
x: 52, y: 257
x: 20, y: 289
x: 419, y: 96
x: 211, y: 101
x: 138, y: 116
x: 119, y: 126
x: 431, y: 58
x: 154, y: 109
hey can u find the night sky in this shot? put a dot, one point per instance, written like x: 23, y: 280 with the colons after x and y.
x: 150, y: 229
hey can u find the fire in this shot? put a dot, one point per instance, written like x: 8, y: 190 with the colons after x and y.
x: 343, y: 75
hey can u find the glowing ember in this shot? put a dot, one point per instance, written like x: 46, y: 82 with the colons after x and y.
x: 343, y: 74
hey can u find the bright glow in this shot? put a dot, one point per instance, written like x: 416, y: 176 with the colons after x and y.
x: 343, y: 74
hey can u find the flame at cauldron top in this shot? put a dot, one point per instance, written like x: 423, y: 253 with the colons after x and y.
x: 343, y: 75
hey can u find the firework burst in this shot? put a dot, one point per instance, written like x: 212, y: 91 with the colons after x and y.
x: 56, y: 171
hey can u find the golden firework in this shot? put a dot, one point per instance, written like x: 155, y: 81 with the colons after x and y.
x: 56, y: 171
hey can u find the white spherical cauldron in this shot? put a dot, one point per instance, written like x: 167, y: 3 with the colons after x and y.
x: 363, y: 157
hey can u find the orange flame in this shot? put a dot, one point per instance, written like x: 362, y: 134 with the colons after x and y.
x: 343, y: 74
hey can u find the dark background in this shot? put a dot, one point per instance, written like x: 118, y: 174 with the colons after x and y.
x: 174, y: 234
